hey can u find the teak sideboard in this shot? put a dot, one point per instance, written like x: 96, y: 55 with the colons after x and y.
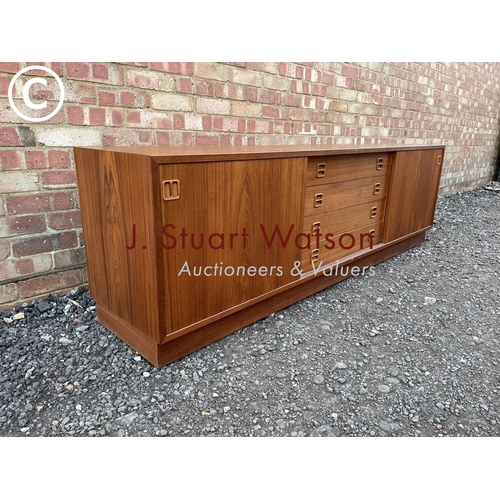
x: 186, y: 245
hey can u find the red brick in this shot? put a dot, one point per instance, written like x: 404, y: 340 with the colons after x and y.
x: 35, y: 159
x: 4, y: 85
x: 26, y: 224
x: 67, y: 239
x: 24, y: 267
x: 28, y: 204
x: 253, y: 94
x: 270, y: 112
x: 97, y: 116
x: 319, y: 89
x: 206, y: 122
x: 50, y: 283
x: 179, y: 122
x: 207, y: 140
x: 58, y: 180
x: 59, y: 159
x: 185, y: 85
x: 117, y: 118
x: 127, y: 99
x: 107, y: 98
x: 77, y: 71
x: 108, y: 140
x: 9, y: 136
x: 133, y: 117
x: 62, y: 200
x: 162, y: 139
x: 76, y: 115
x: 33, y: 246
x: 64, y: 220
x: 9, y: 160
x: 204, y: 88
x: 144, y: 136
x: 69, y: 258
x: 100, y: 71
x: 10, y: 67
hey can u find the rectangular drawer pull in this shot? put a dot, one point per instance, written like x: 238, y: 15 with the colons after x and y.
x: 376, y: 188
x: 373, y: 213
x: 315, y: 255
x: 171, y: 190
x: 316, y: 227
x: 380, y: 163
x: 318, y: 200
x: 321, y: 170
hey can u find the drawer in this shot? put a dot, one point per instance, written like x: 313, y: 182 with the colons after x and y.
x: 327, y: 197
x: 346, y: 243
x: 344, y: 219
x: 327, y: 169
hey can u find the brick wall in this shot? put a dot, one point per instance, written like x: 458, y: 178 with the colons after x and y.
x: 41, y: 241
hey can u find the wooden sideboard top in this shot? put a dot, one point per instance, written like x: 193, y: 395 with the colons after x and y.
x: 185, y: 154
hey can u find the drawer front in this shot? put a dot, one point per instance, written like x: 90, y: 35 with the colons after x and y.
x: 344, y: 219
x: 327, y: 197
x: 327, y: 169
x: 343, y: 244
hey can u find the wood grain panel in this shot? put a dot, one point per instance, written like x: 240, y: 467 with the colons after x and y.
x: 413, y: 192
x: 345, y: 243
x: 190, y: 154
x: 327, y: 169
x: 344, y: 194
x: 234, y: 205
x: 344, y: 219
x: 116, y: 202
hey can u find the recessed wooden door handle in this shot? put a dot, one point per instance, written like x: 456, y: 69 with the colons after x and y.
x: 321, y: 171
x: 318, y: 200
x: 171, y: 189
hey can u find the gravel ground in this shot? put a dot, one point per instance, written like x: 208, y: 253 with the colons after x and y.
x: 413, y: 350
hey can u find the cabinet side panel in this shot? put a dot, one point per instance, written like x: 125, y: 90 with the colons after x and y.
x: 412, y: 193
x: 116, y: 204
x: 227, y: 210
